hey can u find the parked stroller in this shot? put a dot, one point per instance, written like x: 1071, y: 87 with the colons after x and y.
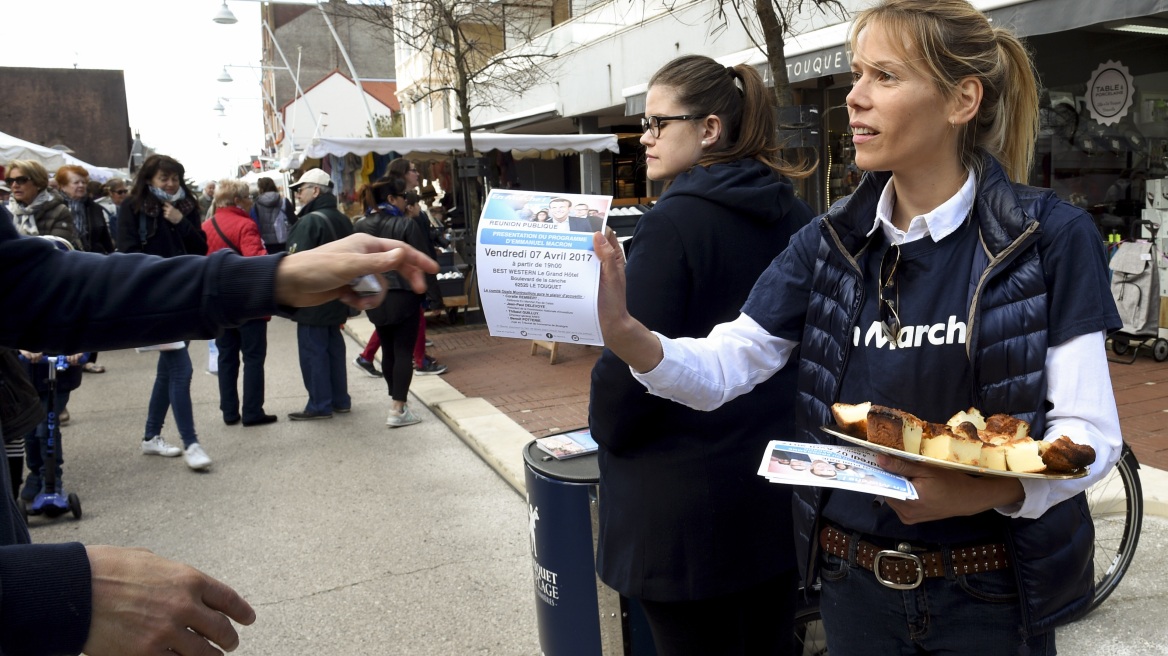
x: 1135, y: 285
x: 52, y: 501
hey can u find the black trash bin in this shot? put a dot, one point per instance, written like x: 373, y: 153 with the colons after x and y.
x: 577, y: 615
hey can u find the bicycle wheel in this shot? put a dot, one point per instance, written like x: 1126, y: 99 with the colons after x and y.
x: 1117, y: 508
x: 810, y: 638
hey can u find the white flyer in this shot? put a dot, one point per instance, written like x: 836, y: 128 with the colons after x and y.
x: 537, y: 274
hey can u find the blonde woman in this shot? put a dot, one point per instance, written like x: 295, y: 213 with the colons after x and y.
x: 941, y: 283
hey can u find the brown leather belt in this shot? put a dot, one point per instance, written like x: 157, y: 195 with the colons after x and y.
x: 904, y: 568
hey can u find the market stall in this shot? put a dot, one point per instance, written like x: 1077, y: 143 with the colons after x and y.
x: 15, y: 148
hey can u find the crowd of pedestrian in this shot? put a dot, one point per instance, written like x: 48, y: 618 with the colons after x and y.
x: 159, y: 212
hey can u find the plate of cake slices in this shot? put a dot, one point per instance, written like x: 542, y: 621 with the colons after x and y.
x: 998, y: 445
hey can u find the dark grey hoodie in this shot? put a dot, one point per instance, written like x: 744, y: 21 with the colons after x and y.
x: 267, y: 210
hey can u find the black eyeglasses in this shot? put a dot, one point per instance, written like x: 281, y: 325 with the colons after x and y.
x: 20, y: 179
x: 653, y: 124
x: 889, y: 295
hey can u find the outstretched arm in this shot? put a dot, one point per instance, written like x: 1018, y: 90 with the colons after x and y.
x: 323, y: 273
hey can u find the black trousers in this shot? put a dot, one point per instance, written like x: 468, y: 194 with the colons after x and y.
x: 250, y: 340
x: 758, y: 621
x: 397, y: 356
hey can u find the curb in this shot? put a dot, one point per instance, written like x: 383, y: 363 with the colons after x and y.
x: 499, y: 441
x: 494, y: 436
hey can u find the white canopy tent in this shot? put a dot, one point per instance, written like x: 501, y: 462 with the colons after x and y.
x: 520, y: 145
x: 15, y: 148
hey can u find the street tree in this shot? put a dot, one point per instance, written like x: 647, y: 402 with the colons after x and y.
x: 768, y: 23
x: 476, y: 53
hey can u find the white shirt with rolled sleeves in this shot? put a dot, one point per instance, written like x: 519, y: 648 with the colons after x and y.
x: 704, y: 373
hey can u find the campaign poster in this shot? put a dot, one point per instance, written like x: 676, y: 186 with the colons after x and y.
x: 537, y: 274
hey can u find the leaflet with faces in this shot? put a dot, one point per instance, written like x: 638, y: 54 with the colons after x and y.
x: 538, y: 276
x: 824, y: 465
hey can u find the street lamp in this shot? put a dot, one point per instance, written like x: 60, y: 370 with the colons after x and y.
x: 279, y: 116
x: 225, y: 17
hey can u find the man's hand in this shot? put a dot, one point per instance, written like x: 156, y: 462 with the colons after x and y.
x: 323, y: 273
x: 146, y: 604
x: 948, y: 493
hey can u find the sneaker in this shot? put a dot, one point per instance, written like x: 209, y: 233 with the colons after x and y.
x: 63, y: 418
x: 197, y: 459
x: 156, y: 446
x: 305, y: 416
x: 430, y: 368
x: 429, y: 342
x: 32, y: 487
x: 367, y: 366
x: 403, y: 418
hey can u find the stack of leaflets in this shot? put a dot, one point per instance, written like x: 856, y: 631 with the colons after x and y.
x: 822, y: 465
x: 568, y: 445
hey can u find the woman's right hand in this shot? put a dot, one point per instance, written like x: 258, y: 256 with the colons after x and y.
x: 628, y: 338
x: 171, y: 213
x: 30, y: 356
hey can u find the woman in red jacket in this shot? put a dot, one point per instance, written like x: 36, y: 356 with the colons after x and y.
x: 232, y: 227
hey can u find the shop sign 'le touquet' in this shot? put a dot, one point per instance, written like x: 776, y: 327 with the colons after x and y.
x: 1109, y: 93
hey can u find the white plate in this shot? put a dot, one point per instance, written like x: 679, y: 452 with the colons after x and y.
x: 969, y: 469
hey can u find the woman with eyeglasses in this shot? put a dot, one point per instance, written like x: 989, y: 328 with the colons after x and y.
x: 115, y: 191
x: 941, y: 283
x: 37, y: 210
x: 686, y: 526
x: 161, y: 217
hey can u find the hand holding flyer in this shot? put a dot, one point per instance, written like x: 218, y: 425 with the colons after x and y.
x: 843, y: 467
x: 537, y: 273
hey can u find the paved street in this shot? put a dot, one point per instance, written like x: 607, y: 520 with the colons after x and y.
x: 351, y: 538
x: 346, y: 536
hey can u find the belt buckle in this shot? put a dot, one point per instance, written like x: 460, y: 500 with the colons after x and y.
x: 903, y: 550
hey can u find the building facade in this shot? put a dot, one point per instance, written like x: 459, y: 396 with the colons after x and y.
x: 1102, y: 66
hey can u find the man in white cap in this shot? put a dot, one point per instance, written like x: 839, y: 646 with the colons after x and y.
x: 5, y: 192
x: 318, y: 329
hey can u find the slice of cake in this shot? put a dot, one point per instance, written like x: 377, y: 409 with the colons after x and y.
x: 1007, y: 425
x: 952, y: 444
x: 993, y: 456
x: 852, y: 419
x: 1023, y: 456
x: 895, y: 428
x: 1066, y: 457
x: 972, y: 415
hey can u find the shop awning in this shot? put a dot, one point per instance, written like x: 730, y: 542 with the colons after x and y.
x: 520, y: 145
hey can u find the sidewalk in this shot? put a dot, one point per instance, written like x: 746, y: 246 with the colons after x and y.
x: 498, y: 397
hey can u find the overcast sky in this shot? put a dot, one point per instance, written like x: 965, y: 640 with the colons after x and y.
x: 171, y: 52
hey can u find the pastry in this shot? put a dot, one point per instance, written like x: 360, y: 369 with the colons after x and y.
x: 853, y: 419
x: 895, y: 428
x: 1064, y: 456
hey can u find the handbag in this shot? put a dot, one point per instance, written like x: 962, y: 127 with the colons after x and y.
x: 20, y: 405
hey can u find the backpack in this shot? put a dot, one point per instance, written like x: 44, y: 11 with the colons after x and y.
x: 280, y: 223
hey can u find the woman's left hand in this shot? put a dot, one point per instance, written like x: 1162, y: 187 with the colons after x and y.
x: 945, y: 493
x: 74, y: 359
x: 170, y: 213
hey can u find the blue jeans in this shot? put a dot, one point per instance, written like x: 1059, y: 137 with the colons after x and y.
x: 322, y: 365
x: 172, y: 390
x: 250, y: 339
x: 976, y: 614
x: 36, y: 445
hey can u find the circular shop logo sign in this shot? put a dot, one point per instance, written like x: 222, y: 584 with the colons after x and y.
x: 1109, y: 93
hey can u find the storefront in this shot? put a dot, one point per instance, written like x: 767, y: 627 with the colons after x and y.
x: 1104, y: 70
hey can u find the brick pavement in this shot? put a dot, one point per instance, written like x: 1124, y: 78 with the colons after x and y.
x: 1141, y: 394
x: 540, y: 397
x: 546, y: 399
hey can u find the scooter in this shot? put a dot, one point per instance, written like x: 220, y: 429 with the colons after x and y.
x: 49, y: 502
